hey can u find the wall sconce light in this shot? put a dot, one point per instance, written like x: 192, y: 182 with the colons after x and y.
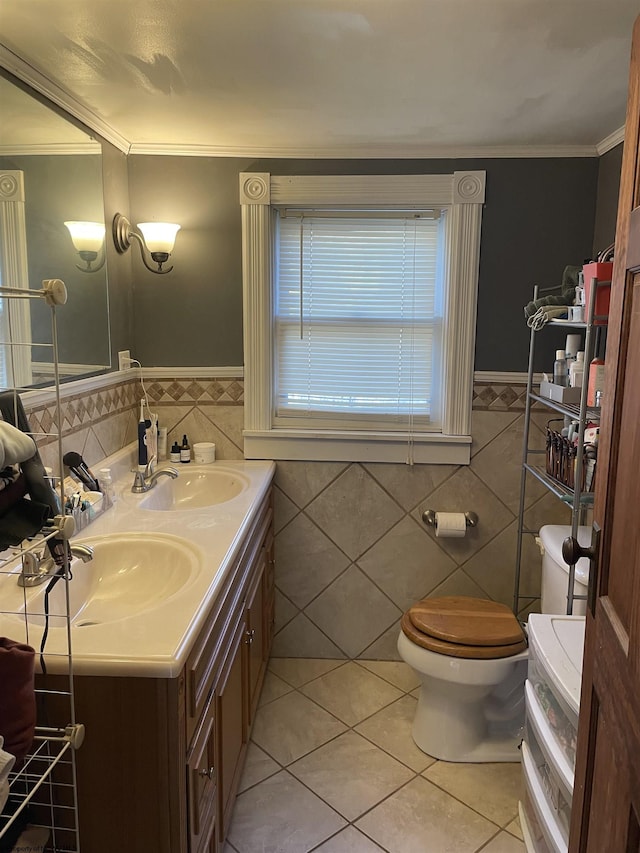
x: 88, y: 241
x: 157, y: 238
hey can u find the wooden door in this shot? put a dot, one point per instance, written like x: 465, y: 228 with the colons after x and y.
x: 606, y: 804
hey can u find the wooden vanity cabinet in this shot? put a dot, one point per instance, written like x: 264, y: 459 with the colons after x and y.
x: 162, y: 760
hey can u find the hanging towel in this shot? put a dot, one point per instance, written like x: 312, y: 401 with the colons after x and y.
x: 15, y: 445
x: 17, y: 697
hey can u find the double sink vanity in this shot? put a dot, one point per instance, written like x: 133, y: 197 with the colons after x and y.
x: 171, y: 624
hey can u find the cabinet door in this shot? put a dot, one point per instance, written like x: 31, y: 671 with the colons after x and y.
x: 201, y: 785
x: 231, y: 723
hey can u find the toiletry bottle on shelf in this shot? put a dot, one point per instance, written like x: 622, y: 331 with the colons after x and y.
x: 576, y: 371
x: 175, y: 452
x: 560, y: 368
x: 185, y: 450
x: 596, y: 381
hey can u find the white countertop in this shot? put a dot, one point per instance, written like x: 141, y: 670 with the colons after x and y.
x: 156, y: 642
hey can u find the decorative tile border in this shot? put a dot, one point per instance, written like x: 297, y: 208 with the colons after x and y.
x: 223, y: 391
x: 499, y: 397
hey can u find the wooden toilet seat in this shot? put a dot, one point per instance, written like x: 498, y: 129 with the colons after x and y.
x: 464, y: 627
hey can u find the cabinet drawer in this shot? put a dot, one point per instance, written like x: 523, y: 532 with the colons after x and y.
x: 532, y: 834
x: 201, y: 785
x: 544, y: 735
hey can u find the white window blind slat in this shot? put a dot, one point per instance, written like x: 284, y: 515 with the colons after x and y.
x: 358, y: 321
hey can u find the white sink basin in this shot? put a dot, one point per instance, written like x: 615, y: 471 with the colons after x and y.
x: 195, y: 490
x: 130, y: 574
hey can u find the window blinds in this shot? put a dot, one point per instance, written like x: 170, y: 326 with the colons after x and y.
x: 358, y: 320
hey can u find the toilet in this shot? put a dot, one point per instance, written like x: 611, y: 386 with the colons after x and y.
x: 471, y: 657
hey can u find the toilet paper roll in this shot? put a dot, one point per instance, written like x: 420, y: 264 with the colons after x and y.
x: 451, y: 525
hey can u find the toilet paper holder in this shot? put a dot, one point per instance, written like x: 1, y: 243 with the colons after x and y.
x: 429, y: 517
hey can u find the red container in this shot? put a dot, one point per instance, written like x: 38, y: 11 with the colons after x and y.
x: 603, y: 272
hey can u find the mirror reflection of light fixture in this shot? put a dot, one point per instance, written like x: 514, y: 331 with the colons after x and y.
x: 158, y: 238
x: 88, y: 240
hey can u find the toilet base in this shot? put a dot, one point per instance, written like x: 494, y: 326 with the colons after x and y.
x: 495, y: 749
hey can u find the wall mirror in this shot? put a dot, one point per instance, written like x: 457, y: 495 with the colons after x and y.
x: 50, y: 174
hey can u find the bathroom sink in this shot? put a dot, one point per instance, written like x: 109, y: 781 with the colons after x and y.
x: 130, y: 574
x: 195, y: 490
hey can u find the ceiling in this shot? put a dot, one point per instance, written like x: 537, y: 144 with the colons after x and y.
x: 332, y: 78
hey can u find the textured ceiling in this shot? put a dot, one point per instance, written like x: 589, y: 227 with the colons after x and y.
x: 403, y: 77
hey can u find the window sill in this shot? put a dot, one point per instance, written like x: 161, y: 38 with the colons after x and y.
x: 335, y: 446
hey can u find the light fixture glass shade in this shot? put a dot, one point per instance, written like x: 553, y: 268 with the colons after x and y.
x: 86, y: 236
x: 159, y: 236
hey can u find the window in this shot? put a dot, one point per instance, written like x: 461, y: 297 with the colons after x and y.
x: 357, y: 320
x: 360, y: 297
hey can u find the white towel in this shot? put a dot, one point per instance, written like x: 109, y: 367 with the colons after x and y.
x: 6, y: 762
x: 15, y: 445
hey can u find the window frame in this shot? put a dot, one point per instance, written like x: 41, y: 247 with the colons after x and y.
x: 261, y: 194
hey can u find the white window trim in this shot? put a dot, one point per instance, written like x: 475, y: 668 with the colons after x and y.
x: 13, y: 257
x: 463, y: 193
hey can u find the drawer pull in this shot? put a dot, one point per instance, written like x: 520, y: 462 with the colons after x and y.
x: 208, y: 773
x: 249, y: 636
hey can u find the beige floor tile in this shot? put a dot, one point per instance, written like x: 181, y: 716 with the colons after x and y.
x: 515, y: 829
x: 491, y: 789
x: 281, y: 815
x: 397, y: 673
x: 348, y: 841
x: 299, y: 671
x: 390, y: 729
x: 351, y: 774
x: 420, y: 818
x: 291, y: 726
x: 273, y: 688
x: 257, y: 766
x: 351, y: 693
x: 504, y: 843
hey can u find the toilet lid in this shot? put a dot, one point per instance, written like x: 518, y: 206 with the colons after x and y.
x: 458, y: 650
x: 468, y: 621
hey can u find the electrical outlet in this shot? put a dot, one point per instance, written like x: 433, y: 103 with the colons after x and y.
x: 124, y: 359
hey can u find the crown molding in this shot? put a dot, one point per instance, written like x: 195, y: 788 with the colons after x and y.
x: 12, y: 63
x: 50, y: 148
x: 382, y: 152
x: 610, y: 141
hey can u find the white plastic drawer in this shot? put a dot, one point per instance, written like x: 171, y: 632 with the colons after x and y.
x: 562, y: 720
x: 555, y: 838
x: 546, y: 737
x: 531, y: 833
x: 556, y: 794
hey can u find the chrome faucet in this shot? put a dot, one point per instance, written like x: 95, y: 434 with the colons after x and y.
x: 85, y: 552
x: 143, y: 481
x: 36, y: 569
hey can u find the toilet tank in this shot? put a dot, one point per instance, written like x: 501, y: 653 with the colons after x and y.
x: 555, y: 572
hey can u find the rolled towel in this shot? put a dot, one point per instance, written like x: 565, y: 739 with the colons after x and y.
x: 15, y: 445
x: 6, y: 762
x: 17, y: 697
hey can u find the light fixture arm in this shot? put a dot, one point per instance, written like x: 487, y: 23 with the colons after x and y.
x: 122, y: 236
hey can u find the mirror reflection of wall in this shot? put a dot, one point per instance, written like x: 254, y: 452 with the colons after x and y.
x: 61, y: 167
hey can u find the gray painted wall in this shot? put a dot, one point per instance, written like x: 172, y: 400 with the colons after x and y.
x: 609, y: 169
x: 538, y: 218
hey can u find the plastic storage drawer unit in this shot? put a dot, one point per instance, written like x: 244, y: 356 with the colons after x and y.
x: 555, y: 674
